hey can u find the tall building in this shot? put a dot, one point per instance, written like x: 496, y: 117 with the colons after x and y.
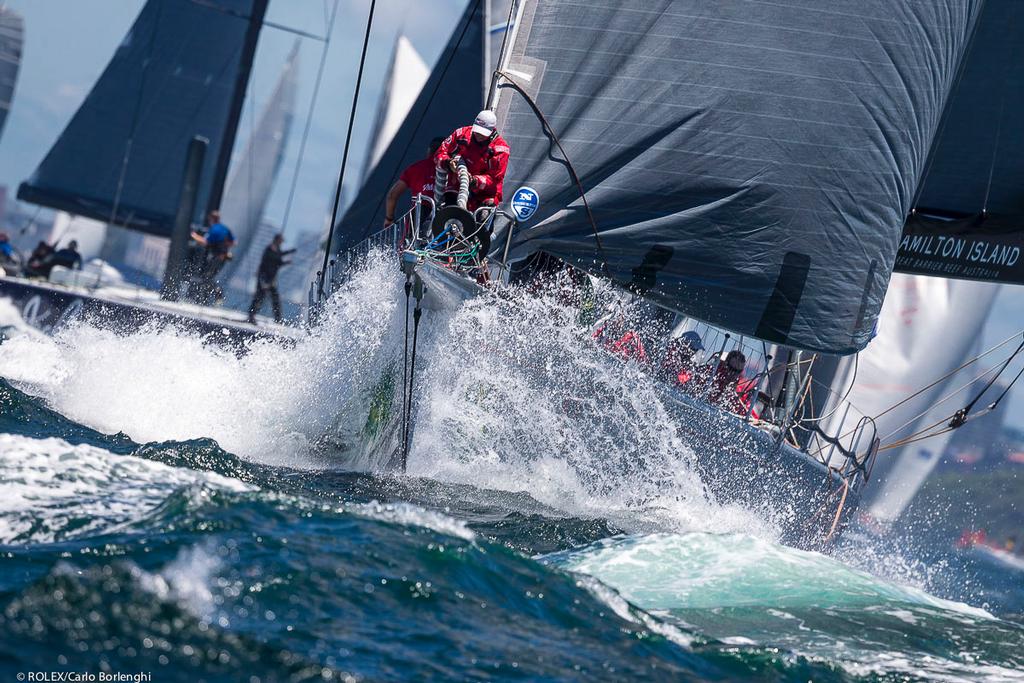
x: 12, y: 35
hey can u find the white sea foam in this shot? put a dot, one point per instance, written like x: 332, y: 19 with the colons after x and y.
x: 700, y: 570
x: 270, y: 404
x: 686, y: 578
x: 51, y: 489
x: 413, y: 515
x: 516, y: 396
x: 187, y: 580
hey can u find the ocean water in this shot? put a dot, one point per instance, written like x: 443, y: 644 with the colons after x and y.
x: 170, y: 509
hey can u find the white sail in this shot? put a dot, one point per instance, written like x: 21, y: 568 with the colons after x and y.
x: 927, y: 328
x: 406, y: 76
x: 253, y: 175
x: 89, y: 234
x: 12, y: 36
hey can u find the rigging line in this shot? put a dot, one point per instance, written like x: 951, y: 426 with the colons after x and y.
x: 938, y: 403
x: 999, y: 126
x: 944, y: 119
x: 946, y: 376
x: 970, y: 405
x: 348, y: 141
x: 423, y: 114
x: 309, y: 114
x: 550, y: 133
x: 1006, y: 390
x: 416, y: 314
x: 840, y: 402
x: 135, y: 120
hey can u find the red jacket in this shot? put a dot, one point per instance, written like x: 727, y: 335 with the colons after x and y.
x: 486, y: 164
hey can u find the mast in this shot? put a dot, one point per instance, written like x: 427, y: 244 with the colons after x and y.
x: 252, y: 34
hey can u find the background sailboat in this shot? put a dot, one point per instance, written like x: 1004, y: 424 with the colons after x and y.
x: 12, y: 36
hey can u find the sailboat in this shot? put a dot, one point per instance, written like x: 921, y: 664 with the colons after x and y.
x: 134, y: 156
x: 746, y: 167
x: 12, y: 35
x: 965, y: 224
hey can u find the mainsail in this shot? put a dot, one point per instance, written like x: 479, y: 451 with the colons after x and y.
x: 969, y: 217
x: 12, y: 34
x: 181, y: 71
x: 452, y: 96
x: 749, y: 164
x: 928, y: 327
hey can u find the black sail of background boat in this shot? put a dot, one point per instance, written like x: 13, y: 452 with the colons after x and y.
x: 746, y: 167
x: 148, y: 153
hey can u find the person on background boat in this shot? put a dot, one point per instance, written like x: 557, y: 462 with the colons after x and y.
x: 9, y: 259
x: 38, y: 260
x: 218, y: 241
x: 417, y: 178
x: 67, y: 257
x: 266, y: 278
x: 485, y: 154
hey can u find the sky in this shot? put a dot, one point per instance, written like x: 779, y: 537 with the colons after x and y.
x: 55, y: 79
x: 68, y: 43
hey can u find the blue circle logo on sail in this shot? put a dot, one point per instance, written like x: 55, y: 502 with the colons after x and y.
x: 525, y: 203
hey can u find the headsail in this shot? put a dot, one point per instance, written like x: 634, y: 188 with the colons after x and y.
x: 749, y: 164
x: 12, y: 33
x: 407, y: 73
x: 969, y: 217
x: 451, y: 97
x: 928, y: 328
x: 178, y: 73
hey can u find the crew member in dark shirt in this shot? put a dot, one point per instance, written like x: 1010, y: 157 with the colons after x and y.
x: 67, y: 257
x: 266, y: 278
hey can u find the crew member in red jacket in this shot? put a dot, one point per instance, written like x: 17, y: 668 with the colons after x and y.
x: 418, y: 178
x: 485, y: 154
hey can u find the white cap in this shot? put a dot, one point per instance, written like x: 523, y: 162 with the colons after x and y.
x: 485, y: 122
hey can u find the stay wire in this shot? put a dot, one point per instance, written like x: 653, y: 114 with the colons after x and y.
x: 405, y: 360
x: 412, y: 373
x: 309, y: 115
x: 405, y: 151
x: 550, y: 133
x: 348, y: 141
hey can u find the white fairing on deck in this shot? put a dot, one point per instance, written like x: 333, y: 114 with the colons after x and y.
x: 927, y: 328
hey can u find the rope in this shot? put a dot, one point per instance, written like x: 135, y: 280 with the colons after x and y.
x: 839, y: 511
x: 405, y: 358
x: 348, y: 140
x: 309, y: 114
x: 412, y: 371
x: 550, y: 133
x: 405, y: 151
x: 941, y: 379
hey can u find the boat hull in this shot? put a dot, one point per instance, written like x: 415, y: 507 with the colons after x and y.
x: 737, y: 462
x: 49, y: 308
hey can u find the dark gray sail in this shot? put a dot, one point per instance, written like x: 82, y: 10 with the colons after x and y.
x: 749, y: 164
x: 12, y: 35
x: 451, y: 98
x: 969, y: 216
x: 178, y: 73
